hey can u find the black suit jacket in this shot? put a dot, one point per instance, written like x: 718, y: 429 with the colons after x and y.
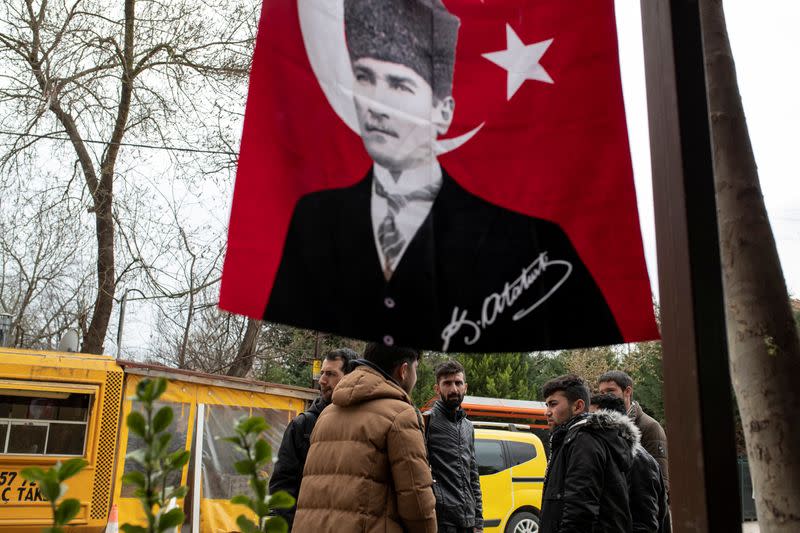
x: 467, y: 276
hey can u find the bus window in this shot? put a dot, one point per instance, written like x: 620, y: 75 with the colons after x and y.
x: 43, y: 423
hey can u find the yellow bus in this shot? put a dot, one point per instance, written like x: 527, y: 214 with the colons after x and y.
x: 55, y: 406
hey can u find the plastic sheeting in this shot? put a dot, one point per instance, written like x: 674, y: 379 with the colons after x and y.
x: 179, y: 430
x: 223, y: 407
x: 221, y: 482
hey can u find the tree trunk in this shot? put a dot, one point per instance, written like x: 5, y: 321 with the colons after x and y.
x: 106, y: 282
x: 244, y: 358
x: 103, y: 197
x: 764, y: 346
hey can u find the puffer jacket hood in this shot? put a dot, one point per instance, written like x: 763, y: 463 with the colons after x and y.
x: 367, y: 383
x: 622, y: 449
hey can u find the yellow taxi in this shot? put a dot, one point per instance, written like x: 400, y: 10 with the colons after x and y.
x: 511, y: 464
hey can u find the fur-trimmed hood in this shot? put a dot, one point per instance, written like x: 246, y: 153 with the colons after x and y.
x: 604, y: 418
x: 620, y: 434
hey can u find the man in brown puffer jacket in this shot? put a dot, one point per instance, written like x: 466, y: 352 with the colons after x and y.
x: 367, y: 469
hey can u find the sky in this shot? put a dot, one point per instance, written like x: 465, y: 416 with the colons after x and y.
x: 765, y: 40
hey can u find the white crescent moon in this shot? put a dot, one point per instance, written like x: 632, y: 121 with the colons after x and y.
x: 322, y: 25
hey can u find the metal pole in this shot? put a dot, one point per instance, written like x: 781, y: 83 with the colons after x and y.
x: 121, y: 322
x: 6, y: 321
x: 197, y: 482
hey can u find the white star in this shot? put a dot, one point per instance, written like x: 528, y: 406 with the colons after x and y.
x: 521, y: 61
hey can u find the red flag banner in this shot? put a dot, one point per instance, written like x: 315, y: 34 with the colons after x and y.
x: 446, y: 175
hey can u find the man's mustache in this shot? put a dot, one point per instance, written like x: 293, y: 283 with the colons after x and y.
x: 386, y: 131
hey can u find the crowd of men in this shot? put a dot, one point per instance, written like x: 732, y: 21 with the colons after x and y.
x: 364, y: 459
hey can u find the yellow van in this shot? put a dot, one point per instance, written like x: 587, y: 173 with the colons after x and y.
x: 511, y: 463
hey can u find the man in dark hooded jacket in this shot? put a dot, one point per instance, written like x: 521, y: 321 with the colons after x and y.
x: 292, y: 454
x: 586, y: 486
x: 648, y: 494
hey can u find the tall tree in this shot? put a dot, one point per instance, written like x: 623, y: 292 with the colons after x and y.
x: 590, y: 363
x: 45, y: 279
x: 763, y: 340
x: 246, y: 354
x: 98, y: 76
x: 544, y: 367
x: 502, y: 375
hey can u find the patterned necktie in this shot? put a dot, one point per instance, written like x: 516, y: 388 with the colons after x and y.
x: 389, y: 237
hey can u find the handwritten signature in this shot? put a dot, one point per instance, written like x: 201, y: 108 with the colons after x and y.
x: 496, y: 304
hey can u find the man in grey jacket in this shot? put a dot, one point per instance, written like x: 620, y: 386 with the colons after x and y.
x: 450, y: 439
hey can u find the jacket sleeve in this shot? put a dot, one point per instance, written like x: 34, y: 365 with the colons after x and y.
x: 475, y: 482
x: 288, y: 472
x: 644, y: 494
x: 411, y: 473
x: 583, y: 484
x: 654, y: 440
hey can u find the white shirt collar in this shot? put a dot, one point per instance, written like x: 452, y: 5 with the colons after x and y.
x: 410, y: 180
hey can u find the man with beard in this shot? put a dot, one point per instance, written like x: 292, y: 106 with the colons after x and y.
x: 450, y: 439
x: 296, y: 440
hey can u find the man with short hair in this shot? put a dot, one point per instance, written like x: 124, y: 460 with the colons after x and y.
x: 367, y: 469
x: 296, y: 439
x: 450, y: 438
x: 648, y: 494
x: 586, y: 487
x: 654, y: 439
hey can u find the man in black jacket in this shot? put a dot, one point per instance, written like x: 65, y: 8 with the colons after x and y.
x: 586, y: 487
x: 648, y: 494
x: 450, y: 439
x: 296, y: 441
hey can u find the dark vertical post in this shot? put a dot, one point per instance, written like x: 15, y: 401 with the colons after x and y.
x: 697, y: 395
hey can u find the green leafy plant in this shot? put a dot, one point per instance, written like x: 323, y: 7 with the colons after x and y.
x: 52, y: 486
x: 258, y: 455
x: 157, y: 462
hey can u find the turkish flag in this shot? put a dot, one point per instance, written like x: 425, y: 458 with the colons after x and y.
x: 525, y: 235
